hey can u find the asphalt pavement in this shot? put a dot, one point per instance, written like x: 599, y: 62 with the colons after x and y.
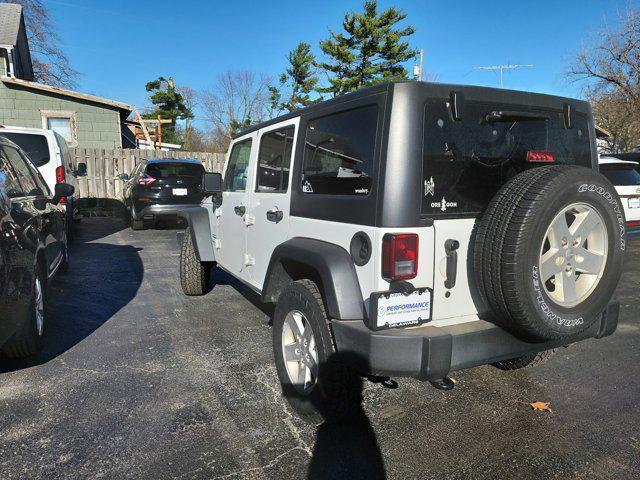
x: 139, y: 381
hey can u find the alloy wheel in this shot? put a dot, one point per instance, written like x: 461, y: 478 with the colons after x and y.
x: 299, y: 351
x: 573, y: 254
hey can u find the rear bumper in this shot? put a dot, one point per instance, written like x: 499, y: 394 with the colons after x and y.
x: 151, y: 212
x: 430, y: 352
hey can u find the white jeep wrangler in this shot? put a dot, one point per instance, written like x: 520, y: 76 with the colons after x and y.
x: 413, y: 229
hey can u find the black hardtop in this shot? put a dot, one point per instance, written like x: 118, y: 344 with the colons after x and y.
x: 414, y: 89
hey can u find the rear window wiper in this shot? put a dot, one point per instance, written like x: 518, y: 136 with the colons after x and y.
x: 513, y: 116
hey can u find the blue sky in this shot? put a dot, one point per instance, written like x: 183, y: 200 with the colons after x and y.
x: 119, y: 45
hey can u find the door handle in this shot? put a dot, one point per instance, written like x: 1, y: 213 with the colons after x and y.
x: 275, y: 215
x: 451, y: 246
x: 240, y: 210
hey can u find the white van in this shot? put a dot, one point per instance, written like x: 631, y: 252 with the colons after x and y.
x: 625, y: 177
x: 49, y: 152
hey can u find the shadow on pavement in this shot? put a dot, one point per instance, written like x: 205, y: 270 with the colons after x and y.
x: 102, y: 278
x: 346, y: 446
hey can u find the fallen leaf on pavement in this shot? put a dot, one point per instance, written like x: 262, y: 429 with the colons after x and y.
x: 541, y: 406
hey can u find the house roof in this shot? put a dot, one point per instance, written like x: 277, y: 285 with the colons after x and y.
x: 67, y: 93
x: 10, y: 19
x: 13, y: 34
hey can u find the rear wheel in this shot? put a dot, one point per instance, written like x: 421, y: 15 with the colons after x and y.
x: 313, y: 380
x: 195, y: 275
x: 27, y: 340
x: 136, y: 224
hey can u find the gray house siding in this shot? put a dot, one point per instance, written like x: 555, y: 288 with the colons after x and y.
x: 97, y: 125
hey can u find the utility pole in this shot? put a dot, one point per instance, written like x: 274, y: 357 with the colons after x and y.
x: 502, y: 68
x: 417, y: 70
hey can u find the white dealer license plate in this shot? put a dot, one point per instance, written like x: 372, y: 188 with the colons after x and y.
x: 634, y: 202
x: 397, y: 309
x: 180, y: 192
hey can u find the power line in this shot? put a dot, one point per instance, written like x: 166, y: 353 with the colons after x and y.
x: 502, y: 68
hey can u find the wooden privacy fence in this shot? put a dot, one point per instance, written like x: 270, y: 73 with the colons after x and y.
x: 103, y: 166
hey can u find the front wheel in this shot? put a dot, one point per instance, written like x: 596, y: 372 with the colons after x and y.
x: 27, y: 341
x: 195, y: 275
x: 313, y: 379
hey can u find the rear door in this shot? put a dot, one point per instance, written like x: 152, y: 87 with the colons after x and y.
x: 233, y: 215
x: 270, y: 196
x: 174, y: 182
x: 466, y: 162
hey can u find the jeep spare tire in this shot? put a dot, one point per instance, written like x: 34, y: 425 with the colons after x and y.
x: 549, y: 251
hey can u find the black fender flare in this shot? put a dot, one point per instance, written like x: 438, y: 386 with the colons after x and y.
x: 333, y: 267
x: 200, y: 228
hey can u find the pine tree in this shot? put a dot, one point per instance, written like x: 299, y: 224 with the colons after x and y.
x: 371, y: 50
x: 169, y: 105
x: 297, y: 83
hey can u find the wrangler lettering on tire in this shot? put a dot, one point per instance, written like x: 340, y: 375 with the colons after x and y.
x: 548, y: 256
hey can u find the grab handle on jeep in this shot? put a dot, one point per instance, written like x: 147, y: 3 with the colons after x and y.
x: 275, y: 215
x: 451, y: 246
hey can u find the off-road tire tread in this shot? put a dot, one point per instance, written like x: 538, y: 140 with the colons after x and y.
x: 194, y: 274
x: 338, y: 385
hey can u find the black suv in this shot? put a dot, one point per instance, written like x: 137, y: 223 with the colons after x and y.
x: 161, y: 188
x: 33, y: 247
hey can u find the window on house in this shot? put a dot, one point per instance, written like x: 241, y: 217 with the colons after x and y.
x: 62, y: 123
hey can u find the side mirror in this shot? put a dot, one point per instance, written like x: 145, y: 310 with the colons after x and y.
x: 211, y: 183
x: 123, y: 176
x: 81, y: 170
x: 62, y: 190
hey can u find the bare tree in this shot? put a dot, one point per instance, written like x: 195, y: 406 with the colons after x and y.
x: 237, y: 100
x: 610, y: 70
x: 190, y: 135
x: 50, y: 64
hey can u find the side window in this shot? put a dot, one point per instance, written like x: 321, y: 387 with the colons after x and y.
x: 338, y: 153
x: 274, y: 159
x: 34, y: 145
x: 24, y: 172
x: 8, y: 178
x: 235, y: 178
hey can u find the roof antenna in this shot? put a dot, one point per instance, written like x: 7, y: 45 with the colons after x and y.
x: 502, y: 68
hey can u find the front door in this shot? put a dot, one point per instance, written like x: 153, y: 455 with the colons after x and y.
x: 270, y: 196
x: 234, y: 216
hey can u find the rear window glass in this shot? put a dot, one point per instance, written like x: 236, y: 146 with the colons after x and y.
x: 34, y: 145
x: 621, y: 175
x: 177, y: 169
x: 338, y: 153
x: 466, y: 162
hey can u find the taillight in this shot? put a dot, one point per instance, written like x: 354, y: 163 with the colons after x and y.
x: 146, y: 179
x: 60, y: 174
x: 540, y: 156
x: 399, y: 256
x: 60, y: 178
